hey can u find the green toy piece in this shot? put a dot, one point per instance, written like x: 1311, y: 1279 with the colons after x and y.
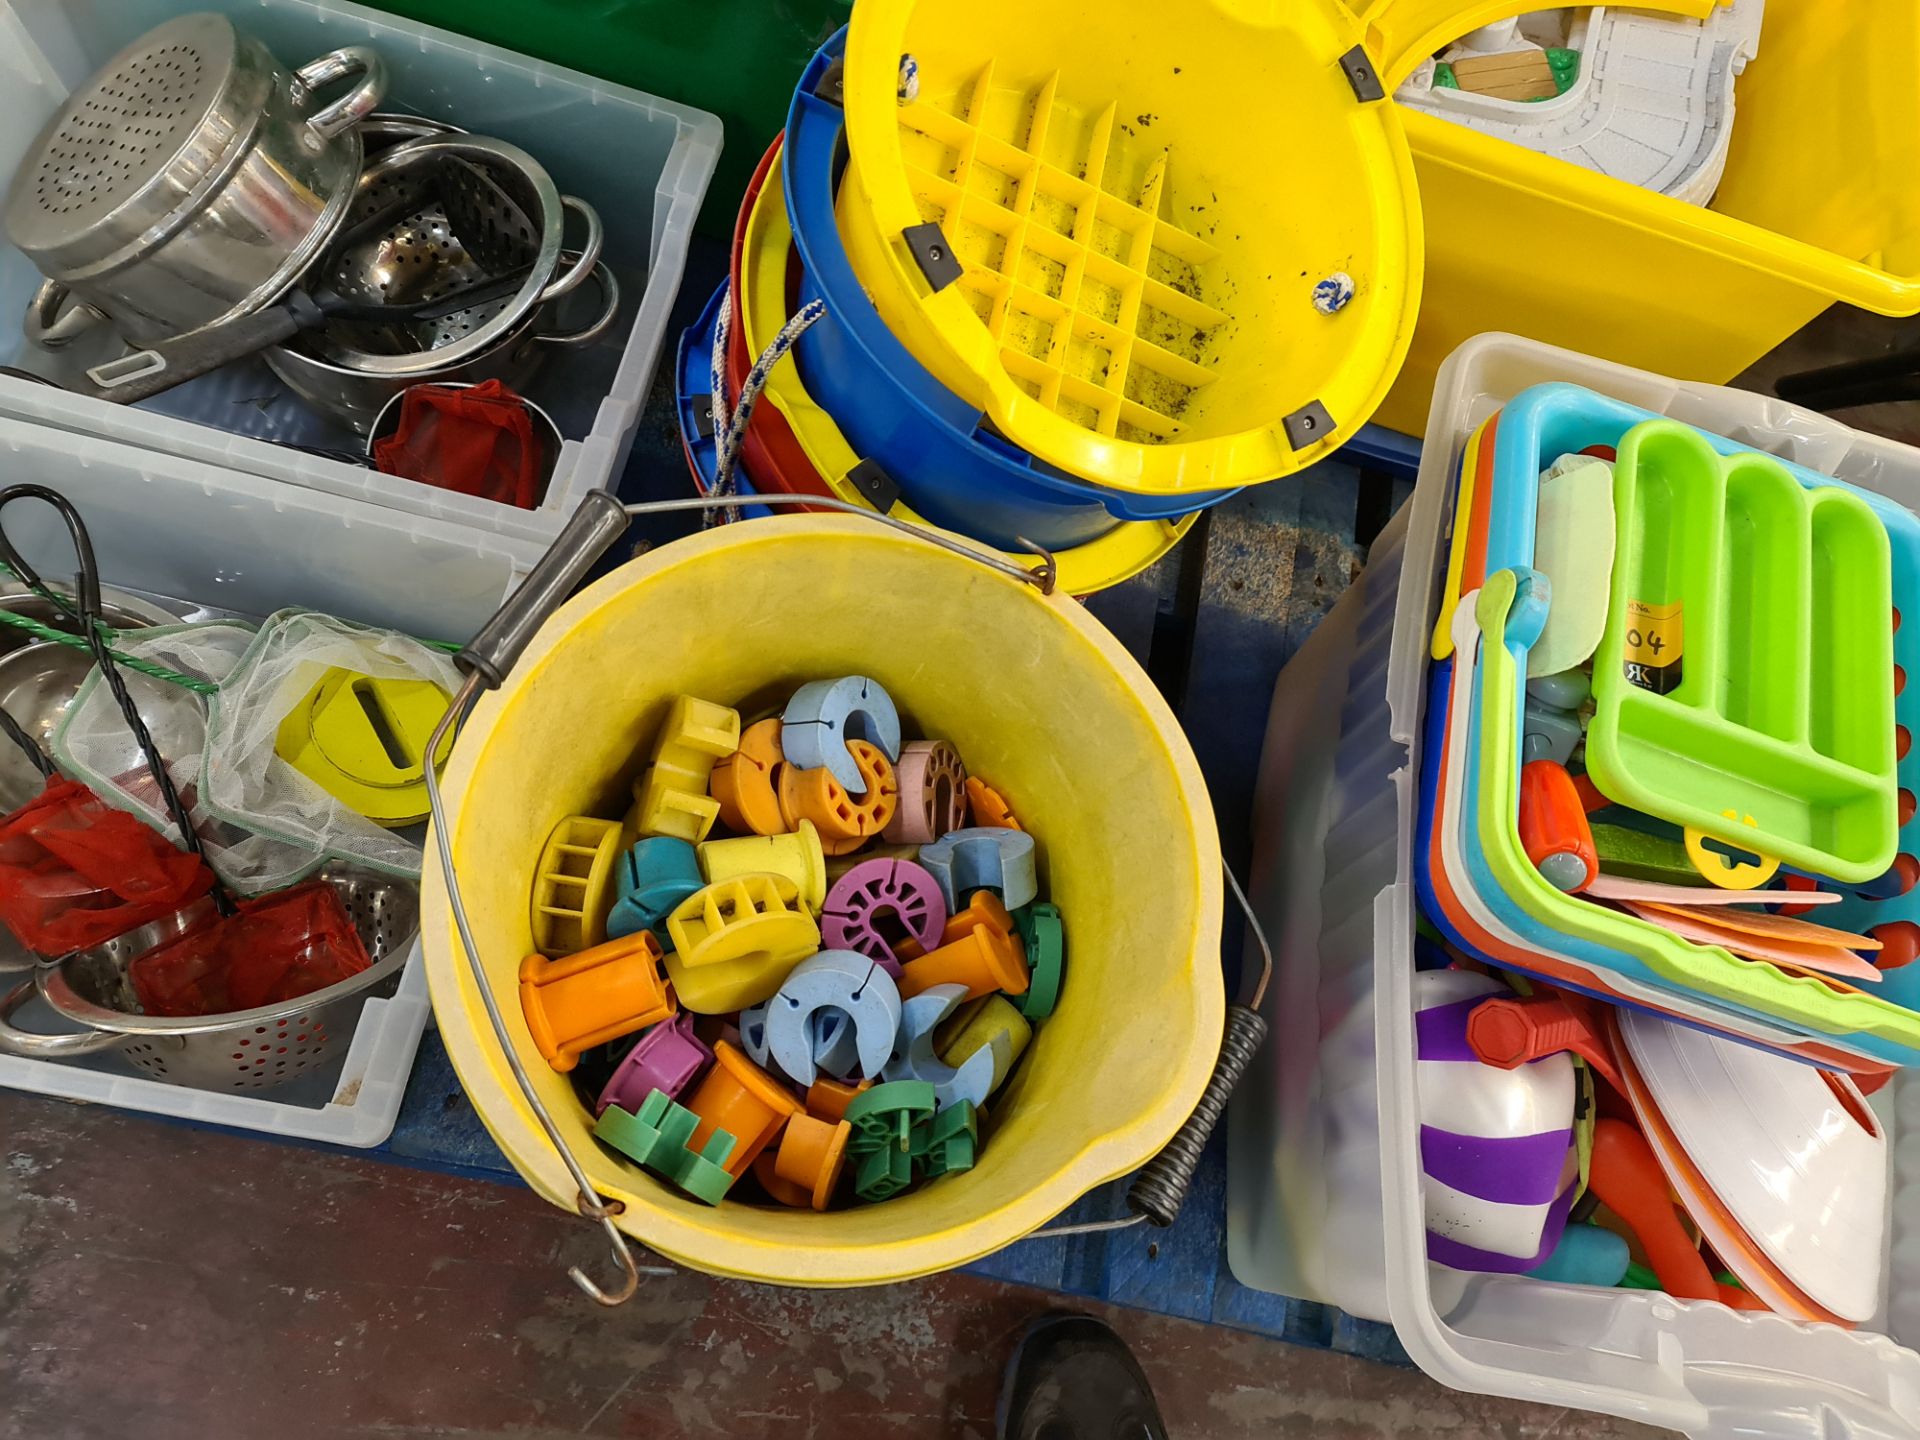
x: 883, y: 1117
x: 883, y: 1173
x: 947, y: 1144
x: 656, y: 1136
x: 1633, y: 854
x: 1046, y: 941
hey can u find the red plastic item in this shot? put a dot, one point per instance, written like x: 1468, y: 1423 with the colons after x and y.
x: 75, y: 872
x: 1508, y: 1031
x: 1553, y: 826
x: 278, y: 947
x: 473, y: 440
x: 1629, y: 1181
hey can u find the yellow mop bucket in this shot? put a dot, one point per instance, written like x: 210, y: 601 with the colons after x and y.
x: 1032, y: 691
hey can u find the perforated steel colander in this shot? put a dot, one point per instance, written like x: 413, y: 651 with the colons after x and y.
x: 244, y: 1050
x: 436, y: 216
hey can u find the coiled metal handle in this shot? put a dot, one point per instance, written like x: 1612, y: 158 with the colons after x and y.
x: 1160, y: 1188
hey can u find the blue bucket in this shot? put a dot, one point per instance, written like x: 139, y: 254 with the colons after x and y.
x: 930, y: 443
x: 693, y: 405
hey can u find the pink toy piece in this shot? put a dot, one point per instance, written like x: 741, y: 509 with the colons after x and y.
x: 933, y: 794
x: 1824, y: 960
x: 666, y: 1059
x: 1615, y: 887
x: 881, y: 903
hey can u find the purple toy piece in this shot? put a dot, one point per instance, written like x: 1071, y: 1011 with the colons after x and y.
x: 666, y: 1059
x: 878, y: 899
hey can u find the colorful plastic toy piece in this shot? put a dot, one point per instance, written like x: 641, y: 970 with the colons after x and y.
x: 833, y: 980
x: 839, y: 865
x: 666, y: 1059
x: 828, y: 1098
x: 845, y: 821
x: 584, y: 1000
x: 933, y: 793
x: 948, y: 1142
x: 989, y: 807
x: 1728, y: 865
x: 740, y: 1098
x: 1509, y: 1031
x: 670, y: 798
x: 883, y: 1174
x: 766, y: 1171
x: 363, y: 739
x: 913, y: 1055
x: 1553, y: 827
x: 991, y: 1024
x: 796, y: 856
x: 652, y: 877
x: 734, y: 942
x: 744, y: 784
x: 983, y: 960
x: 983, y: 858
x: 883, y: 1117
x: 753, y: 1034
x: 1586, y: 1255
x: 812, y: 1154
x: 659, y: 1136
x: 825, y: 717
x: 1044, y: 938
x: 1627, y: 1177
x: 569, y: 910
x: 880, y: 904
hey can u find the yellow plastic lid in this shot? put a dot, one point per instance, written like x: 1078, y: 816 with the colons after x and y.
x: 364, y: 741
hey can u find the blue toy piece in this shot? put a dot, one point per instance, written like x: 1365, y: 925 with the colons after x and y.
x: 913, y: 1055
x: 833, y: 980
x: 986, y: 858
x: 836, y: 1042
x: 824, y: 715
x: 753, y: 1033
x: 1586, y: 1255
x: 655, y: 875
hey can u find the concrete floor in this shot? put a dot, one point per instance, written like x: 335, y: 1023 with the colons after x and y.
x: 182, y: 1284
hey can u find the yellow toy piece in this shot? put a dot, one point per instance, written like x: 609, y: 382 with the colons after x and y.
x: 671, y: 798
x: 363, y: 740
x: 734, y: 942
x: 976, y: 1027
x: 796, y: 857
x: 1729, y: 872
x: 572, y: 884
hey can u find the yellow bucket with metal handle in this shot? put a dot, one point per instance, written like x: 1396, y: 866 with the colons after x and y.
x: 1036, y: 696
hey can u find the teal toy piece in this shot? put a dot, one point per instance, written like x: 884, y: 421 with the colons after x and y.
x: 1586, y: 1255
x: 824, y: 715
x: 984, y: 858
x: 1045, y: 939
x: 654, y: 875
x: 913, y: 1055
x: 832, y: 981
x: 947, y: 1143
x: 883, y: 1173
x: 656, y: 1136
x: 883, y: 1117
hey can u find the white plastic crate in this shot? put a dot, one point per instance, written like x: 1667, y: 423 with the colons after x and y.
x: 195, y: 534
x: 1324, y: 1197
x: 643, y: 162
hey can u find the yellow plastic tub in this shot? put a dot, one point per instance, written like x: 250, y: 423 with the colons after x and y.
x: 1143, y: 199
x: 1818, y: 204
x: 1084, y: 569
x: 1033, y: 692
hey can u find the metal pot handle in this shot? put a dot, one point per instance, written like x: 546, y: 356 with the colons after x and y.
x: 29, y: 1046
x: 596, y: 327
x: 589, y: 252
x: 353, y: 107
x: 46, y: 326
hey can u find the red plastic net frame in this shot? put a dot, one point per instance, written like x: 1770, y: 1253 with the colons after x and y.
x: 75, y: 872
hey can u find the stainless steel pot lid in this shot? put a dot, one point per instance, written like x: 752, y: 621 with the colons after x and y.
x: 139, y: 142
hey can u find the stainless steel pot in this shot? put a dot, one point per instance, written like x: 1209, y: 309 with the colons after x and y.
x: 189, y: 181
x: 355, y: 397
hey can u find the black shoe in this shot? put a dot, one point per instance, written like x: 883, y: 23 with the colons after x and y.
x: 1071, y: 1378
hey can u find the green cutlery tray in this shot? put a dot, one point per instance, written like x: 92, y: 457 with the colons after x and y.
x: 1747, y: 665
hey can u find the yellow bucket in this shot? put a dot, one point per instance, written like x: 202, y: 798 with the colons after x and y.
x: 1143, y: 200
x: 1120, y: 554
x: 1036, y: 695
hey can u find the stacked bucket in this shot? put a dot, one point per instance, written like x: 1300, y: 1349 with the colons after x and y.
x: 1056, y: 277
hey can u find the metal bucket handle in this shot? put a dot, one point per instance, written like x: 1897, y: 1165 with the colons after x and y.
x: 570, y: 278
x: 46, y: 326
x: 600, y: 519
x: 609, y: 287
x: 353, y: 107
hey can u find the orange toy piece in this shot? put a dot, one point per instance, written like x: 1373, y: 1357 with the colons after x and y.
x: 989, y: 806
x: 1627, y: 1177
x: 766, y: 1170
x: 828, y: 1098
x: 740, y: 1098
x: 984, y: 960
x: 812, y: 1155
x: 746, y: 783
x: 984, y: 909
x: 1553, y: 826
x: 845, y: 822
x: 595, y: 996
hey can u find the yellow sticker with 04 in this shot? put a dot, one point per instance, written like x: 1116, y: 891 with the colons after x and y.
x: 1656, y: 638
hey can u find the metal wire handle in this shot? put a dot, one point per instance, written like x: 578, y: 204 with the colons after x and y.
x: 1155, y: 1196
